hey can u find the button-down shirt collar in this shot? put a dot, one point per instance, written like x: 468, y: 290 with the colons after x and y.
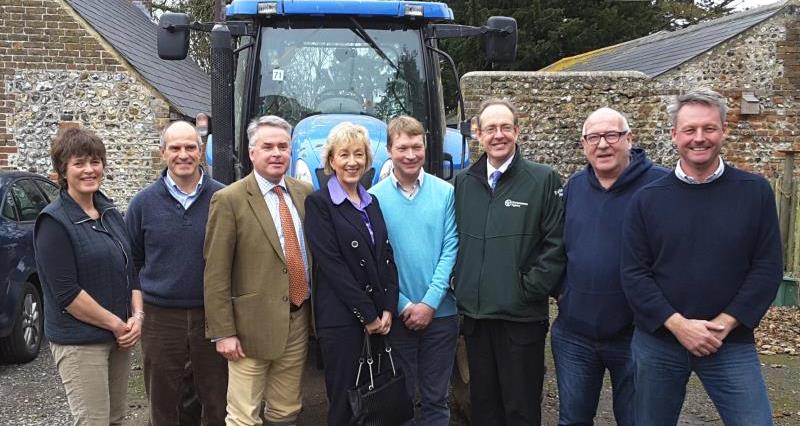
x: 680, y: 174
x: 414, y: 189
x: 178, y: 194
x: 502, y: 169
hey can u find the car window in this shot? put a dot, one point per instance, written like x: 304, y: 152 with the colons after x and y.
x: 29, y: 199
x: 8, y: 211
x: 49, y: 189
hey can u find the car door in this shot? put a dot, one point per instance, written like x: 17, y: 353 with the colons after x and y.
x: 29, y: 201
x: 10, y: 236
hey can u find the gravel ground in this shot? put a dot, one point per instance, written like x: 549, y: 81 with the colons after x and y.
x: 32, y: 395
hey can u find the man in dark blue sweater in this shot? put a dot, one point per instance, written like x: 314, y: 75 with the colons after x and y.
x: 701, y: 263
x: 167, y: 226
x: 593, y: 330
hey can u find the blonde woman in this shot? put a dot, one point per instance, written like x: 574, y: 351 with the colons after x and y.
x: 356, y: 279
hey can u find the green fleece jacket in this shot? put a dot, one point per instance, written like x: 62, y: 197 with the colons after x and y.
x: 511, y: 253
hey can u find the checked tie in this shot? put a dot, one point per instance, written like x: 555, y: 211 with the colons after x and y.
x: 298, y: 286
x: 493, y: 178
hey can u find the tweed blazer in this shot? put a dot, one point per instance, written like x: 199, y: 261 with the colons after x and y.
x: 246, y: 281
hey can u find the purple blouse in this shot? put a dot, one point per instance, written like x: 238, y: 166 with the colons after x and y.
x: 338, y: 196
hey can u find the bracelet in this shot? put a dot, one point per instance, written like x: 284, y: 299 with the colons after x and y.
x: 138, y: 315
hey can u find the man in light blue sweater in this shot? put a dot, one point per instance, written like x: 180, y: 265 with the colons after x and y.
x: 420, y: 217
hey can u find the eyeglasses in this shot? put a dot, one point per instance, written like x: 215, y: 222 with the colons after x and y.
x: 610, y: 137
x: 491, y: 130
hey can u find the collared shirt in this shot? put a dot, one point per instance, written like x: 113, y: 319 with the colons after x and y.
x: 502, y: 169
x: 272, y: 201
x: 414, y: 189
x: 338, y: 196
x: 680, y: 174
x: 177, y: 193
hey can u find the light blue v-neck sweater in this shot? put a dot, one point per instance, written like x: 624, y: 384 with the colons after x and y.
x: 423, y: 234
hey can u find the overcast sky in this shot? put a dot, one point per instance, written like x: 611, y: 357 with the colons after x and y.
x: 743, y: 4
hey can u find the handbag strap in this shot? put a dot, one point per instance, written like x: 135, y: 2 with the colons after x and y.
x: 366, y: 354
x: 388, y: 349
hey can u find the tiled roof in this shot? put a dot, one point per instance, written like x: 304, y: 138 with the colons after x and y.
x: 660, y: 52
x: 128, y: 30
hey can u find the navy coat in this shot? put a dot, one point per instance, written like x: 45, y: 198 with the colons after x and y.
x: 355, y: 280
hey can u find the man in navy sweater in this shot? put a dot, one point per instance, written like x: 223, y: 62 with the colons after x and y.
x: 593, y: 330
x: 701, y: 263
x: 167, y: 226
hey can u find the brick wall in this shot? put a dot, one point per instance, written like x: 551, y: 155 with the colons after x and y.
x: 42, y: 35
x: 55, y: 67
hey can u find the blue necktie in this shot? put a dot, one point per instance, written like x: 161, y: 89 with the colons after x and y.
x: 494, y: 178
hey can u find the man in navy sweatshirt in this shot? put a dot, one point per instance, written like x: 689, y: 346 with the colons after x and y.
x: 167, y: 226
x: 701, y: 263
x: 593, y: 330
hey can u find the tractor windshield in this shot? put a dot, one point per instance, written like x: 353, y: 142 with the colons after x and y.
x: 342, y: 70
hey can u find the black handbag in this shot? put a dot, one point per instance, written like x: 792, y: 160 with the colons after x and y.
x: 382, y: 400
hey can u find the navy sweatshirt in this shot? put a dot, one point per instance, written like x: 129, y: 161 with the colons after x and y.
x: 167, y: 244
x: 592, y: 302
x: 700, y: 250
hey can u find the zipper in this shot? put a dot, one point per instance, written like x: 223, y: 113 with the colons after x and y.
x: 483, y: 240
x: 118, y: 243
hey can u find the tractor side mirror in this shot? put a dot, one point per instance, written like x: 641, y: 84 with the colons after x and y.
x: 501, y: 42
x: 173, y: 36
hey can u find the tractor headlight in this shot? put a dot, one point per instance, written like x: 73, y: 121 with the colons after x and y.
x: 302, y: 172
x: 386, y: 168
x: 267, y: 8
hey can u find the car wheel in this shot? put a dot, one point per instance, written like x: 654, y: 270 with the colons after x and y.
x: 22, y: 345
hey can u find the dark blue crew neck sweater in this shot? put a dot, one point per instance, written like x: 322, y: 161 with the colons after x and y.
x: 167, y: 244
x: 700, y: 250
x: 592, y: 302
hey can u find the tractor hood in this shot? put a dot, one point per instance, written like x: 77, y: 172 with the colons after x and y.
x: 308, y: 141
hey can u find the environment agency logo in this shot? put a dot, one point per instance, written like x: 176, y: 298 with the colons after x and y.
x: 516, y: 204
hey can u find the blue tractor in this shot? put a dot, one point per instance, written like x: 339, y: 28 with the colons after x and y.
x: 317, y: 63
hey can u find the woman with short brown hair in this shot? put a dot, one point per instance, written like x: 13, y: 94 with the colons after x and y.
x: 93, y: 306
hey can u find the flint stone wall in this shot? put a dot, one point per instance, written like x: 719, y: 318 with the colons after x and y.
x: 553, y: 105
x: 121, y: 111
x: 56, y: 69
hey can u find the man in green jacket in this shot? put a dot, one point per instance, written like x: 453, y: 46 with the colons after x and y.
x: 509, y: 213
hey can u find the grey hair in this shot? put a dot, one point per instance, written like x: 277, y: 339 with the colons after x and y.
x: 703, y: 96
x: 265, y: 121
x: 607, y: 110
x: 162, y: 141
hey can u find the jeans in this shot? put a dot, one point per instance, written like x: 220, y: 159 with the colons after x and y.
x: 426, y: 358
x: 581, y: 363
x: 732, y: 377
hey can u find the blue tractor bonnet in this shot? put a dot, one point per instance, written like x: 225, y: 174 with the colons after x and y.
x: 385, y: 8
x: 311, y: 133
